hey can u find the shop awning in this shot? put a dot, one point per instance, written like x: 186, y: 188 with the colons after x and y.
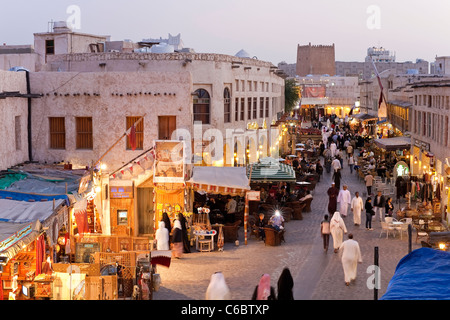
x: 365, y: 117
x: 392, y: 144
x: 14, y: 236
x: 223, y: 180
x: 270, y: 170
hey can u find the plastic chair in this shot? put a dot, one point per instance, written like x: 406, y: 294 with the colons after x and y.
x: 386, y: 228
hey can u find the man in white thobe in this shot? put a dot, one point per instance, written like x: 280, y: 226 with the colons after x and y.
x: 357, y: 206
x: 344, y: 199
x: 336, y: 164
x: 333, y: 148
x: 350, y: 256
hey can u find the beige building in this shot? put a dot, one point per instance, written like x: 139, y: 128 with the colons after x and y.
x: 14, y: 120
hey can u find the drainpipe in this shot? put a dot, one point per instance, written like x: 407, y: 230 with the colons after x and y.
x: 30, y: 153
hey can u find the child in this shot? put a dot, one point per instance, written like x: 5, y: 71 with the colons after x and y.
x: 325, y: 231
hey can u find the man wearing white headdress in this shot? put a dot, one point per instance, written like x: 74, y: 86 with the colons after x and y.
x: 162, y: 237
x: 350, y: 257
x: 357, y: 206
x: 344, y: 199
x: 217, y: 288
x: 333, y: 149
x: 337, y: 228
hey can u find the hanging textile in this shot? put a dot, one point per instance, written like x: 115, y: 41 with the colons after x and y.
x: 80, y: 213
x: 40, y: 253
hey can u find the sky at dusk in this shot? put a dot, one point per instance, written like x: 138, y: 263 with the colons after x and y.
x: 267, y: 29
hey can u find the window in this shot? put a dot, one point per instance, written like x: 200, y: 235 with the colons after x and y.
x: 50, y: 46
x: 242, y: 109
x: 226, y: 105
x: 446, y: 131
x: 166, y: 126
x: 139, y: 132
x: 84, y: 139
x: 249, y: 108
x: 249, y: 85
x: 429, y: 124
x: 237, y: 85
x: 236, y: 109
x: 267, y: 107
x: 201, y: 106
x: 261, y: 107
x: 57, y: 130
x: 18, y: 133
x: 255, y: 108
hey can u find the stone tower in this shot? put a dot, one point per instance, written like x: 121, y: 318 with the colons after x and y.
x: 315, y: 59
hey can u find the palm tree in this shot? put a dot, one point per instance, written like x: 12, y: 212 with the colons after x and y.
x: 291, y: 94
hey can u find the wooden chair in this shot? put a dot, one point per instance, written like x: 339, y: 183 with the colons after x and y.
x: 297, y: 208
x: 307, y: 204
x: 273, y: 237
x: 230, y: 231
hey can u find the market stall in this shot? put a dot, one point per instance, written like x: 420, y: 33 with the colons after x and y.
x: 230, y: 181
x: 30, y: 233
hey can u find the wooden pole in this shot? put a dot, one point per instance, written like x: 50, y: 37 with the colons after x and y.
x: 377, y: 275
x: 246, y: 207
x: 118, y: 140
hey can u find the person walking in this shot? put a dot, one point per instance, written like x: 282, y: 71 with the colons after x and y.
x: 369, y: 182
x: 337, y: 178
x: 350, y: 257
x: 218, y: 288
x: 357, y: 206
x: 379, y: 204
x: 285, y: 285
x: 344, y: 199
x: 333, y: 193
x: 351, y: 162
x: 325, y: 232
x: 177, y: 240
x: 162, y: 237
x: 338, y: 229
x: 369, y: 213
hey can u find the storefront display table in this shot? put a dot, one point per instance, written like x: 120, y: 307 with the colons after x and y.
x: 204, y: 240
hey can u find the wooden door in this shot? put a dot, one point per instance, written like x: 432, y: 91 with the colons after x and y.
x: 145, y: 211
x: 166, y: 125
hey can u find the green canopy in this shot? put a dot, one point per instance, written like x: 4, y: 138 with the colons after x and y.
x: 9, y: 179
x: 270, y: 170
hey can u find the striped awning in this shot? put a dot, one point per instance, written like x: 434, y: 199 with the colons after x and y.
x: 219, y: 180
x: 270, y: 171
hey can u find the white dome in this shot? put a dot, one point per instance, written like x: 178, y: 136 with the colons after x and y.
x: 242, y: 54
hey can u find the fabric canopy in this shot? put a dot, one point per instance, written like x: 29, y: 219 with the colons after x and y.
x: 26, y: 212
x: 270, y: 170
x: 365, y: 117
x: 223, y: 180
x: 424, y: 274
x: 14, y: 236
x: 392, y: 144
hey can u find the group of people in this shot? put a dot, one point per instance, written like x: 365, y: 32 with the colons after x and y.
x: 173, y: 238
x: 219, y: 290
x: 349, y: 250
